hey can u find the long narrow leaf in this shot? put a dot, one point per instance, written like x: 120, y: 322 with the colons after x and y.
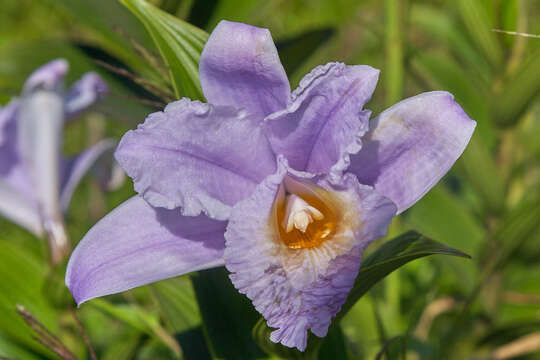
x: 391, y: 256
x: 519, y: 91
x: 477, y: 21
x: 179, y: 43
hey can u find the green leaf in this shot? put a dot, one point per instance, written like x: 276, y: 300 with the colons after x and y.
x: 436, y: 23
x: 478, y: 23
x: 334, y: 346
x: 391, y: 256
x: 194, y: 344
x: 518, y: 92
x: 441, y: 215
x: 140, y: 320
x: 22, y: 282
x: 9, y: 349
x: 515, y: 229
x: 124, y: 349
x: 179, y: 43
x: 482, y: 172
x: 393, y: 347
x: 228, y: 316
x: 177, y: 301
x: 102, y: 17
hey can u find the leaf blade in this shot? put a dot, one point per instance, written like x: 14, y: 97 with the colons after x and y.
x: 179, y: 43
x: 389, y: 257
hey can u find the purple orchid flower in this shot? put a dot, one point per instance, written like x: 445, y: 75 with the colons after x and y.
x: 36, y: 183
x: 285, y: 190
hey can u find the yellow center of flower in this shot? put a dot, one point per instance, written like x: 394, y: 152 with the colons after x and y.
x: 303, y: 218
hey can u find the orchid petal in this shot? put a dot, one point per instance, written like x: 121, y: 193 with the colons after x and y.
x: 240, y: 67
x: 196, y: 156
x: 12, y: 170
x: 300, y: 289
x: 16, y: 207
x: 76, y: 167
x: 16, y: 193
x: 324, y: 121
x: 411, y: 145
x: 8, y: 116
x: 85, y: 92
x: 137, y: 244
x: 41, y: 119
x: 47, y: 77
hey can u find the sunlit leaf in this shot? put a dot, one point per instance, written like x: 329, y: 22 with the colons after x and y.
x: 179, y: 43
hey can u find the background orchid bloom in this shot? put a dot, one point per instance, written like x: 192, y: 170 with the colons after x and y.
x: 284, y: 189
x: 36, y: 182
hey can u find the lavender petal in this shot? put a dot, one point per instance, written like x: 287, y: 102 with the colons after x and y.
x: 137, y: 244
x: 411, y: 145
x: 297, y: 290
x: 16, y: 207
x: 196, y: 156
x: 47, y: 77
x: 84, y: 93
x: 40, y: 129
x: 325, y: 120
x: 240, y: 67
x: 74, y: 169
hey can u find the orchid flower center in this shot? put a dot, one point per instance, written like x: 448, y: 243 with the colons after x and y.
x: 299, y: 214
x: 304, y: 219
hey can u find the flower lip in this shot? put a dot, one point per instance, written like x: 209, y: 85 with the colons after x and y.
x: 304, y: 215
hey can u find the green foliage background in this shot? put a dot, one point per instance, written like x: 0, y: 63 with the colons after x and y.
x: 488, y: 206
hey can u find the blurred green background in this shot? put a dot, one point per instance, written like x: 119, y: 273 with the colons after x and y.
x: 433, y: 308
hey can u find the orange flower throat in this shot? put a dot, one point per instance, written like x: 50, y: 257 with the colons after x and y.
x: 303, y: 219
